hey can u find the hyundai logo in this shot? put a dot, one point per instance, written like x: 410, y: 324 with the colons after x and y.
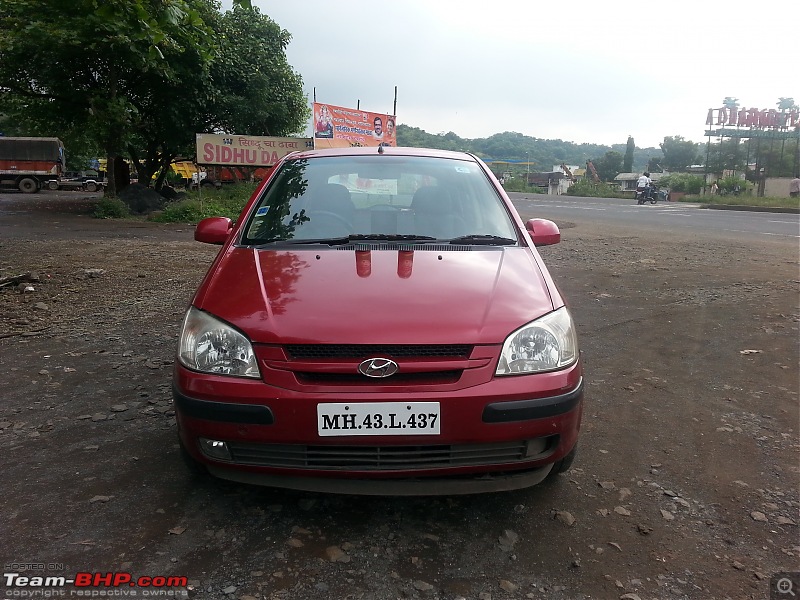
x: 378, y: 367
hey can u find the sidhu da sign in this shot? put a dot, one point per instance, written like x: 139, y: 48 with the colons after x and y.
x: 246, y: 150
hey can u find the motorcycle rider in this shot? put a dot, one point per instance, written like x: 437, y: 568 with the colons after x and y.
x: 643, y: 186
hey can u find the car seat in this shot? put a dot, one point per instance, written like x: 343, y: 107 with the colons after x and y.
x: 436, y: 213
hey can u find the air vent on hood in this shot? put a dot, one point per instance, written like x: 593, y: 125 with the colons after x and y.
x: 410, y: 247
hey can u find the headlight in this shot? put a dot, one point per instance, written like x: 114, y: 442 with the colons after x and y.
x: 547, y: 344
x: 211, y: 346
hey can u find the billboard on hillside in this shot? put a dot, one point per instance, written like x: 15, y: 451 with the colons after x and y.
x: 246, y: 150
x: 338, y: 127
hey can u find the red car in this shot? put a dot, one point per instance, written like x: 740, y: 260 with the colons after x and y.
x: 379, y: 321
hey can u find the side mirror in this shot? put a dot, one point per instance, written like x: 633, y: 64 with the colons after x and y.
x: 543, y: 232
x: 214, y: 230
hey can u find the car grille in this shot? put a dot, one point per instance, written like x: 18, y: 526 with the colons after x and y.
x: 363, y: 351
x: 385, y: 458
x: 401, y: 379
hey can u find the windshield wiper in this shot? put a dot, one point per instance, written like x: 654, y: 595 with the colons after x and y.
x: 485, y: 240
x: 325, y: 241
x: 361, y: 237
x: 279, y: 241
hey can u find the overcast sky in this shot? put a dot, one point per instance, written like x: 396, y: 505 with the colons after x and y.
x: 582, y: 71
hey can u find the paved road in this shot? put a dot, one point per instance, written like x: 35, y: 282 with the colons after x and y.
x: 664, y: 215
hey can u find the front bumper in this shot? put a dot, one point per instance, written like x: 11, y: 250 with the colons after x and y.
x: 494, y: 437
x: 496, y: 412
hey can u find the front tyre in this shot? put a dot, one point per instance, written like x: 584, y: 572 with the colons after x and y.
x: 194, y: 467
x: 563, y: 465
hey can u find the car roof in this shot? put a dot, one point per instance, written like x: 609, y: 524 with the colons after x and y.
x: 385, y: 150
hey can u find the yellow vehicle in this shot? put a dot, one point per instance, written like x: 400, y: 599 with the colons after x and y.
x: 186, y: 170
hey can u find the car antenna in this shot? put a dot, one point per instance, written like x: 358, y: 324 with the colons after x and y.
x: 380, y: 149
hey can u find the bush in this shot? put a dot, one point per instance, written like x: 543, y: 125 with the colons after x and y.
x: 682, y: 182
x: 517, y: 184
x: 586, y: 188
x: 727, y: 185
x: 111, y: 208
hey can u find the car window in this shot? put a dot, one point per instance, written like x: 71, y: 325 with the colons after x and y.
x: 334, y: 197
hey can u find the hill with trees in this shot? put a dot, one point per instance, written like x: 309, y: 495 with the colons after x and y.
x: 541, y: 153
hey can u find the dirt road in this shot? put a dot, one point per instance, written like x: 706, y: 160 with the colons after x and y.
x: 685, y: 485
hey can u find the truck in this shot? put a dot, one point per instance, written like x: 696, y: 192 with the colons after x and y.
x: 28, y: 163
x: 84, y: 181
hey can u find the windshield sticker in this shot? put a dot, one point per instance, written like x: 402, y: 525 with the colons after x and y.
x: 462, y: 169
x: 262, y: 211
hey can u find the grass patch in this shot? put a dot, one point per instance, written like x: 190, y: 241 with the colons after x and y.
x: 746, y: 200
x: 227, y: 201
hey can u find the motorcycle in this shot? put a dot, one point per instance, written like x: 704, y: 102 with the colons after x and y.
x: 648, y: 194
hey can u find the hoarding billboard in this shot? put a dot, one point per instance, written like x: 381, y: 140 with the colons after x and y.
x: 246, y: 150
x: 339, y: 127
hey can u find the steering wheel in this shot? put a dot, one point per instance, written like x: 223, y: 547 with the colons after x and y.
x: 337, y: 224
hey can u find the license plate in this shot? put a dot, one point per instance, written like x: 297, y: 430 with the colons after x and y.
x: 378, y: 418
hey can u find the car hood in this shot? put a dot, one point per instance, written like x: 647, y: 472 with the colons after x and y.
x: 326, y: 296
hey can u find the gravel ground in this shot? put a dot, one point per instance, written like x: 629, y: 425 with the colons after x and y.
x: 685, y: 486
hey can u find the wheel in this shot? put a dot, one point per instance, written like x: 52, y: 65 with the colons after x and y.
x: 52, y: 185
x: 194, y: 467
x: 91, y: 186
x: 565, y: 463
x: 27, y: 185
x: 653, y: 201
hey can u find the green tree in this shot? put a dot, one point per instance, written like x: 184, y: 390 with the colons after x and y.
x: 679, y: 153
x: 728, y: 154
x: 609, y: 166
x: 75, y: 64
x: 255, y: 90
x: 247, y: 88
x: 10, y: 127
x: 129, y: 74
x: 627, y: 166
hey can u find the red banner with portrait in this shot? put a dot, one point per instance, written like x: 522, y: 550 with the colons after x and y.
x: 338, y: 127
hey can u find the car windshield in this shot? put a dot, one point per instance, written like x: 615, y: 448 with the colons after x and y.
x: 380, y: 197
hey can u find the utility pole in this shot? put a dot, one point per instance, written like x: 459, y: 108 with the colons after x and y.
x: 528, y: 164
